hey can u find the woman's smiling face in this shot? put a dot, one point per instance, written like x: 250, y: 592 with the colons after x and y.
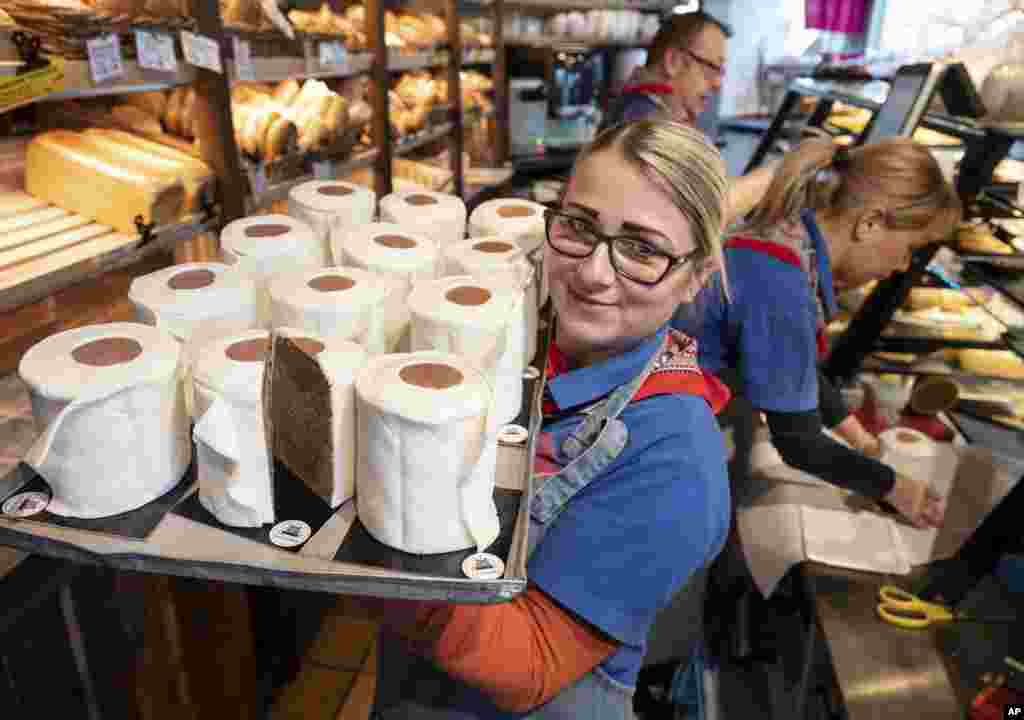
x: 601, y: 314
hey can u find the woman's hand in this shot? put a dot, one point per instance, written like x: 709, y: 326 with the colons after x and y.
x: 851, y: 430
x: 917, y: 502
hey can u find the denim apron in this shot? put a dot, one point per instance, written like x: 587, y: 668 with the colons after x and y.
x: 411, y: 688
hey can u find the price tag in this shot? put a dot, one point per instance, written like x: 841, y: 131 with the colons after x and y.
x: 258, y: 180
x: 323, y: 170
x: 333, y: 54
x: 105, y: 58
x: 243, y: 60
x: 156, y: 51
x: 201, y: 51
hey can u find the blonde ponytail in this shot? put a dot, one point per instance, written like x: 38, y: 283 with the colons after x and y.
x: 807, y: 177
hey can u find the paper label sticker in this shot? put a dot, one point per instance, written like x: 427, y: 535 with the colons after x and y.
x: 333, y: 54
x: 201, y: 51
x: 513, y: 434
x: 290, y: 533
x: 483, y: 566
x: 155, y: 51
x: 258, y: 179
x: 25, y: 504
x: 244, y: 69
x: 105, y: 62
x: 18, y: 90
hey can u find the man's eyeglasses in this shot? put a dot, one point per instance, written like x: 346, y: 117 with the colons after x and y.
x: 632, y: 257
x: 716, y: 70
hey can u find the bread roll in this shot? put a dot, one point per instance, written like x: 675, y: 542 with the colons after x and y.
x: 196, y: 178
x: 994, y: 363
x: 130, y: 117
x: 281, y: 139
x: 158, y: 9
x: 188, y: 113
x: 153, y: 103
x: 65, y: 169
x: 286, y: 92
x: 172, y: 112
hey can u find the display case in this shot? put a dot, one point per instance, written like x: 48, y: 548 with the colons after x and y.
x: 959, y: 305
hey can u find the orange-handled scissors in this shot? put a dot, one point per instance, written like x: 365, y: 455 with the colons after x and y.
x: 903, y: 609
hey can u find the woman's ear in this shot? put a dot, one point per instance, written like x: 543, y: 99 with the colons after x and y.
x: 671, y: 62
x: 869, y: 227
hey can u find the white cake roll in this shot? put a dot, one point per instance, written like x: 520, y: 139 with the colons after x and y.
x: 501, y: 260
x: 181, y: 297
x: 108, y: 402
x: 265, y: 245
x: 342, y: 302
x: 327, y: 204
x: 395, y: 251
x: 477, y: 320
x: 427, y: 453
x: 439, y: 216
x: 521, y: 220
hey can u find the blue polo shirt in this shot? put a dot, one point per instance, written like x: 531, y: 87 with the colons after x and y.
x: 629, y: 107
x: 768, y: 329
x: 626, y: 543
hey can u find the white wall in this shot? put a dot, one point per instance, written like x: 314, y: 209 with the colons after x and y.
x: 758, y: 26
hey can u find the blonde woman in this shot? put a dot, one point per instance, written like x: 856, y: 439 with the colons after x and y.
x: 632, y: 496
x: 832, y: 218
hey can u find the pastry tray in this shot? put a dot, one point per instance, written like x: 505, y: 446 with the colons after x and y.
x: 339, y: 558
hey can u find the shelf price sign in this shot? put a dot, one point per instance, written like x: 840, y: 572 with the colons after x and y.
x: 201, y: 51
x: 156, y: 51
x: 333, y: 54
x: 243, y: 60
x: 105, y: 61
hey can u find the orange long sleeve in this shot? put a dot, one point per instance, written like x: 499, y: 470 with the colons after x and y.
x: 552, y: 648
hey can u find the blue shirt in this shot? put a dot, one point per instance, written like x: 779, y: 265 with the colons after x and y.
x: 627, y: 542
x: 768, y: 329
x: 629, y: 107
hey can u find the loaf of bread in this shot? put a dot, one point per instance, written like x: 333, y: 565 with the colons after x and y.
x: 152, y: 103
x: 924, y: 298
x: 66, y: 169
x: 993, y: 363
x: 196, y: 178
x: 978, y: 238
x: 130, y: 117
x: 286, y: 92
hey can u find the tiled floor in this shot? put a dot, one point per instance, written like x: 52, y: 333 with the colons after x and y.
x: 337, y: 678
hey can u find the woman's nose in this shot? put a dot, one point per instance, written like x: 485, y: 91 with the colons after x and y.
x: 597, y: 268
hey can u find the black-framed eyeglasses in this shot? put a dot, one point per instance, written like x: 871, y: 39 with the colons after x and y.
x: 714, y: 68
x: 632, y: 256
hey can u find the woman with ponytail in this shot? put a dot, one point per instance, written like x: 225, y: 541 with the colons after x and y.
x: 832, y: 218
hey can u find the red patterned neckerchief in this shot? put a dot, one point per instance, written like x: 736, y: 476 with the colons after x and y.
x: 675, y: 372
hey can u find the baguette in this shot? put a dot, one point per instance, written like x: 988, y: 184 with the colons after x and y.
x: 979, y: 239
x: 924, y: 298
x: 994, y: 363
x: 195, y: 177
x: 64, y: 168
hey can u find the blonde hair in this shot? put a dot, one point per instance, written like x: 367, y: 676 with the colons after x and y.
x: 896, y: 172
x: 688, y: 169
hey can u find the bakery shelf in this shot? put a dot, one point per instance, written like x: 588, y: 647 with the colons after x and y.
x: 78, y: 80
x: 924, y: 345
x: 414, y: 142
x: 556, y: 5
x: 43, y: 276
x: 284, y: 67
x: 535, y: 41
x: 279, y: 191
x: 400, y: 62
